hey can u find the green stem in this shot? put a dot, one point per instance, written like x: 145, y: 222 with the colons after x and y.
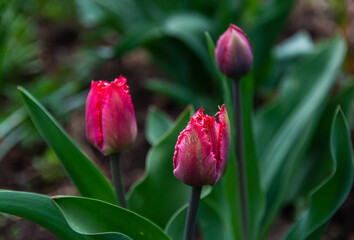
x: 192, y: 213
x: 241, y: 167
x: 117, y: 179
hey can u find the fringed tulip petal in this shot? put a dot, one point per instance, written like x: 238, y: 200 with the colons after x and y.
x: 224, y: 140
x: 195, y: 163
x: 202, y: 149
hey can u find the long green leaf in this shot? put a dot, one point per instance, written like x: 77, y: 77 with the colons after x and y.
x: 284, y: 131
x: 159, y: 194
x: 39, y: 209
x: 327, y: 198
x: 88, y: 179
x: 301, y: 99
x: 102, y: 220
x: 306, y: 175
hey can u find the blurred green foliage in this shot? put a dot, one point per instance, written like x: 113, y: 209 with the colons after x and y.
x: 291, y: 95
x: 19, y: 49
x: 173, y: 32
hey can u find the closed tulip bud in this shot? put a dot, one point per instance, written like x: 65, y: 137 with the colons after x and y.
x: 233, y: 53
x: 202, y: 149
x: 110, y: 119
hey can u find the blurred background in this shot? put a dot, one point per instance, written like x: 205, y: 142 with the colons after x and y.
x: 55, y: 48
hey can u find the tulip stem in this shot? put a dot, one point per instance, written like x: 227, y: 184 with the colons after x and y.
x: 241, y: 167
x: 192, y: 213
x: 117, y: 179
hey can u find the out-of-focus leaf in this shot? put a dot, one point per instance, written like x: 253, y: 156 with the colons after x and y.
x: 186, y: 27
x: 18, y: 48
x: 176, y: 43
x: 270, y: 20
x: 300, y: 100
x: 89, y: 13
x: 157, y: 123
x: 328, y: 196
x: 88, y: 179
x: 286, y: 55
x: 107, y: 221
x: 124, y: 14
x: 306, y: 174
x: 159, y: 194
x: 297, y: 45
x: 181, y: 94
x: 12, y: 121
x: 8, y: 142
x: 284, y: 130
x: 39, y: 209
x: 140, y: 37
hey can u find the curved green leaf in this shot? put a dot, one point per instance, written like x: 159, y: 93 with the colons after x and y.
x: 39, y: 209
x: 301, y: 101
x: 283, y: 132
x: 159, y: 194
x: 327, y: 198
x: 102, y: 220
x: 88, y: 179
x: 306, y: 175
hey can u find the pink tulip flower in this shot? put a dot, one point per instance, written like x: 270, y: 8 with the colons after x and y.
x: 202, y: 149
x: 233, y: 53
x: 110, y: 119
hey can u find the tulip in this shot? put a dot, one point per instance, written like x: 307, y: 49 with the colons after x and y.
x: 202, y: 149
x: 110, y: 119
x: 233, y: 53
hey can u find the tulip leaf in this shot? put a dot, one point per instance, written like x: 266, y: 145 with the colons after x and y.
x: 284, y: 130
x: 88, y: 179
x: 328, y: 196
x: 159, y: 194
x: 157, y: 123
x: 39, y: 209
x: 107, y: 221
x: 306, y: 175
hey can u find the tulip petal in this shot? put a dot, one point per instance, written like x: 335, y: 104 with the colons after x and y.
x: 224, y: 141
x: 93, y: 113
x: 119, y: 127
x: 194, y: 161
x: 211, y: 128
